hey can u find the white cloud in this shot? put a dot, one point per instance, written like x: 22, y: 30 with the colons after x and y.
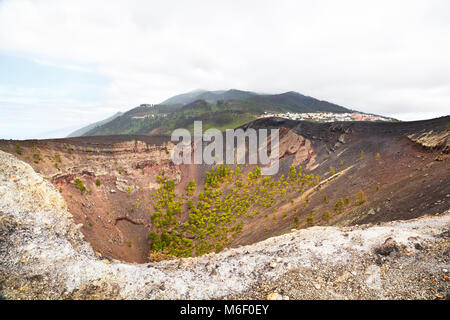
x: 388, y: 57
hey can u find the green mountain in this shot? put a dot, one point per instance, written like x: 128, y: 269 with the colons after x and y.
x: 184, y: 98
x: 218, y: 109
x: 209, y: 96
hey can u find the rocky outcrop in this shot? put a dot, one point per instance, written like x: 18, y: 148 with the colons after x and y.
x: 115, y: 172
x: 433, y: 140
x: 43, y: 255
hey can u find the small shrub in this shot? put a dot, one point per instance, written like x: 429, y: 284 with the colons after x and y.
x: 98, y: 182
x: 190, y: 204
x: 360, y: 198
x: 156, y: 256
x: 296, y: 222
x: 310, y: 219
x: 80, y: 186
x: 191, y: 186
x: 326, y: 216
x: 18, y: 149
x: 339, y: 206
x: 347, y: 201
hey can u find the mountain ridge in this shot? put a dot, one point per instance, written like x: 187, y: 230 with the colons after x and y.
x: 209, y: 96
x: 222, y: 109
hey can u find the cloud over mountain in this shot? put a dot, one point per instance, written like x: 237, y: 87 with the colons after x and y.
x: 379, y: 56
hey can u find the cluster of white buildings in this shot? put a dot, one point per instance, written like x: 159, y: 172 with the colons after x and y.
x: 151, y: 115
x: 326, y: 116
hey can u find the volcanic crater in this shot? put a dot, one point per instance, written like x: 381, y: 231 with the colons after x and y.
x: 363, y: 173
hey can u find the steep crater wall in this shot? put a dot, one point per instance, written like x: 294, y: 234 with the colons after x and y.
x: 402, y: 175
x: 44, y: 255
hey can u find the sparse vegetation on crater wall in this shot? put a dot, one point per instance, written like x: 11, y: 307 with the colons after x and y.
x: 114, y: 197
x: 44, y: 251
x: 224, y: 204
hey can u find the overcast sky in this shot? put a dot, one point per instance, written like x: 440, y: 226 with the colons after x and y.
x: 65, y: 64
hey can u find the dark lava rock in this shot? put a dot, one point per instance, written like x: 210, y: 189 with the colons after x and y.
x: 445, y: 234
x: 387, y: 247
